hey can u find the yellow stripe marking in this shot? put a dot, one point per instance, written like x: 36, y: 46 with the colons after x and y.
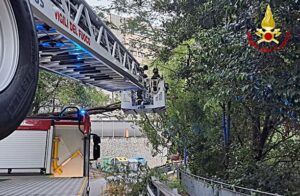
x: 82, y: 187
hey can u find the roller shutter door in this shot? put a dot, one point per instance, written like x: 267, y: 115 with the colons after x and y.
x: 24, y: 150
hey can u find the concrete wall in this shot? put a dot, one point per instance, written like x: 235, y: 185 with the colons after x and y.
x: 197, y: 187
x: 129, y: 147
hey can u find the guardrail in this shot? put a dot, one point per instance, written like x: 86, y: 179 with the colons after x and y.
x: 150, y: 192
x: 168, y: 168
x: 157, y: 188
x: 197, y: 185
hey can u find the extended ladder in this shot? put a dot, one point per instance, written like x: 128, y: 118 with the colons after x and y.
x: 74, y: 42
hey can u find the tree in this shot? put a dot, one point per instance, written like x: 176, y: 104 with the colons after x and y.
x: 55, y: 92
x: 207, y: 61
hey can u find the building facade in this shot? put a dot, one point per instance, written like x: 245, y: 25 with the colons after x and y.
x: 134, y: 42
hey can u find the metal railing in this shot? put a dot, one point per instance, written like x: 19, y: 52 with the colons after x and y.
x: 157, y: 188
x: 210, y: 183
x: 221, y: 185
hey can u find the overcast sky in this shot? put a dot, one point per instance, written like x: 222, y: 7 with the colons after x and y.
x: 98, y: 2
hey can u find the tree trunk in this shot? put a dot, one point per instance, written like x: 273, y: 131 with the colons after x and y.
x: 255, y: 135
x: 260, y: 137
x: 264, y: 136
x: 35, y: 107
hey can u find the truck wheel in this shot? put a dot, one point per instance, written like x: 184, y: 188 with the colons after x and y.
x: 18, y: 63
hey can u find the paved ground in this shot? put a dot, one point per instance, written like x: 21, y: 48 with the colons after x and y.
x: 97, y: 186
x: 40, y: 185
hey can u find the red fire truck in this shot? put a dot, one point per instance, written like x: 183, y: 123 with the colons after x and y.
x: 66, y: 37
x: 48, y: 156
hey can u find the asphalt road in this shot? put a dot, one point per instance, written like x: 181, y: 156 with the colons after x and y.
x: 97, y: 186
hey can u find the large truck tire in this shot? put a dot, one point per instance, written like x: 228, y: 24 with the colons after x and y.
x: 18, y: 63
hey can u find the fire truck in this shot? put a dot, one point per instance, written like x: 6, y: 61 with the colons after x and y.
x: 66, y: 37
x: 48, y: 156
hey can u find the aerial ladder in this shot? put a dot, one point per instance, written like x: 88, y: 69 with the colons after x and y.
x: 66, y: 37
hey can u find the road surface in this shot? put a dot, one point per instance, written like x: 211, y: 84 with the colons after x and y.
x: 97, y: 186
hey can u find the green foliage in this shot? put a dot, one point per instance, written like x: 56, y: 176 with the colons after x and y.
x: 207, y: 61
x: 55, y: 92
x: 176, y: 184
x: 126, y: 182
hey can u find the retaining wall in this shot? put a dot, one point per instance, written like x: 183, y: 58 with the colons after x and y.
x: 129, y: 147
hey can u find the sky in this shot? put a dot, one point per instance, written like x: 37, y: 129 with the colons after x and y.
x: 98, y: 2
